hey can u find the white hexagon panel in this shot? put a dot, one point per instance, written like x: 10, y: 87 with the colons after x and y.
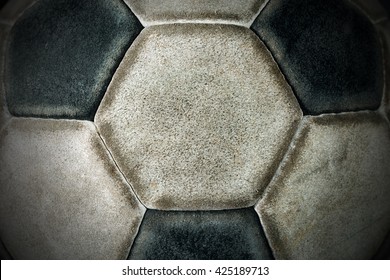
x: 61, y: 195
x: 198, y: 117
x: 330, y: 199
x: 154, y: 12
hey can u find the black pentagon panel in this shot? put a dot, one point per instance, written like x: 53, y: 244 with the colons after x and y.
x: 62, y: 54
x: 4, y: 254
x: 2, y: 3
x: 384, y: 250
x: 207, y: 235
x: 329, y: 52
x: 386, y: 5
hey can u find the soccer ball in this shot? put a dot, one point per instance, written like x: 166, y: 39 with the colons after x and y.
x: 182, y: 129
